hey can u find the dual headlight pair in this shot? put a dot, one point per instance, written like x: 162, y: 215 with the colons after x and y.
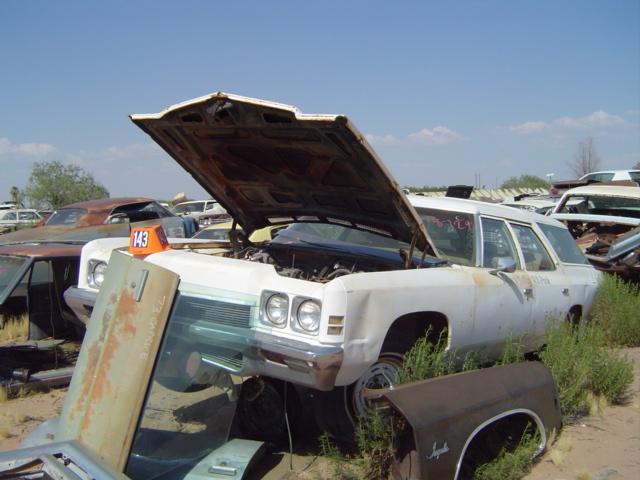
x: 95, y: 273
x: 305, y: 312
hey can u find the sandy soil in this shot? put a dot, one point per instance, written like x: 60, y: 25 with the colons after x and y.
x: 601, y: 446
x: 19, y: 416
x: 604, y: 446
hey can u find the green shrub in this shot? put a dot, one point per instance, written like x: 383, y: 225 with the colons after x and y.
x: 510, y: 465
x: 511, y: 352
x: 374, y: 437
x: 617, y: 310
x: 580, y: 365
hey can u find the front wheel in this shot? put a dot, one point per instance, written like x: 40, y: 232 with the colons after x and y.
x: 337, y: 411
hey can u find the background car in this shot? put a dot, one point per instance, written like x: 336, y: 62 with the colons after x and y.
x: 205, y: 212
x: 14, y: 219
x: 612, y: 175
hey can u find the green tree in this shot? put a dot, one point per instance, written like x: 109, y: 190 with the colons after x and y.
x: 52, y: 184
x: 525, y: 181
x: 637, y: 165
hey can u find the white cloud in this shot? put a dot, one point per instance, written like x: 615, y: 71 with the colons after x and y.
x: 7, y: 147
x: 599, y: 119
x: 435, y: 136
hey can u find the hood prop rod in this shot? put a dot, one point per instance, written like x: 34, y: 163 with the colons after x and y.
x: 408, y: 261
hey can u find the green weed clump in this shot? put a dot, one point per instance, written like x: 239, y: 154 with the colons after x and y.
x: 617, y: 310
x: 374, y: 437
x: 511, y: 352
x: 510, y: 465
x: 581, y: 366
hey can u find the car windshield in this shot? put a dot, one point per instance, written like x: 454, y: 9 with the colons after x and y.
x: 9, y: 268
x: 189, y: 207
x: 452, y: 234
x: 325, y: 232
x: 66, y: 216
x: 214, y: 233
x: 602, y: 205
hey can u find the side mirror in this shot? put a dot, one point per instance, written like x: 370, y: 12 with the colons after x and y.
x: 505, y: 265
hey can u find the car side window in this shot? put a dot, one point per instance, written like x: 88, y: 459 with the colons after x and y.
x: 498, y: 247
x: 10, y: 216
x: 536, y: 257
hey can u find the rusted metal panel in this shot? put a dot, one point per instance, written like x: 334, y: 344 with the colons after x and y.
x: 42, y: 250
x: 117, y: 357
x: 446, y: 412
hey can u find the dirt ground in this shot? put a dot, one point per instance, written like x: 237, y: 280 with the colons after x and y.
x: 604, y: 446
x: 601, y: 446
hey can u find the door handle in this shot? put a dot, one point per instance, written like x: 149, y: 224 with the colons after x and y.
x: 565, y: 292
x: 528, y: 292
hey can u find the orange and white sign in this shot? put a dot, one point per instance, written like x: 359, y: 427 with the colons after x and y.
x: 147, y: 240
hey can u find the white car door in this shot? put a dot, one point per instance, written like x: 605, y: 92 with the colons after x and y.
x: 550, y: 288
x: 503, y: 305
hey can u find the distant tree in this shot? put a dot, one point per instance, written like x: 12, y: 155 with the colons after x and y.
x: 525, y: 181
x: 586, y: 158
x: 52, y: 185
x: 637, y: 165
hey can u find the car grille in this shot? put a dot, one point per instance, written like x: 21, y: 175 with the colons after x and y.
x: 214, y: 311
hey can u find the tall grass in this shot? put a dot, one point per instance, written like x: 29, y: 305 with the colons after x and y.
x: 617, y: 310
x: 581, y: 366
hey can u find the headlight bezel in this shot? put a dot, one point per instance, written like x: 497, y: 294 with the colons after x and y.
x: 296, y: 325
x: 93, y: 264
x: 265, y: 318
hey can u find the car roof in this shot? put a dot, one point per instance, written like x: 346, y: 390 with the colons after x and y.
x: 476, y: 207
x: 606, y: 190
x: 107, y: 203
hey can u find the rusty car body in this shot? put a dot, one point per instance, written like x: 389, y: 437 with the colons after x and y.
x: 146, y: 401
x: 605, y: 221
x: 38, y: 264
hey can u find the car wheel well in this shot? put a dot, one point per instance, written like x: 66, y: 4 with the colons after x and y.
x: 575, y: 314
x: 405, y: 330
x: 505, y: 432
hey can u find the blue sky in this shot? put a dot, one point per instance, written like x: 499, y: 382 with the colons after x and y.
x: 443, y: 90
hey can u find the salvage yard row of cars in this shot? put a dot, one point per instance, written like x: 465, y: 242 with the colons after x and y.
x: 308, y: 310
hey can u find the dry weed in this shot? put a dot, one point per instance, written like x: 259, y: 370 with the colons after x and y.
x: 596, y: 403
x: 14, y: 328
x: 556, y: 456
x: 565, y: 444
x: 583, y: 474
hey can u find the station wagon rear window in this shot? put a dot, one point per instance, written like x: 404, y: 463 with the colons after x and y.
x: 563, y: 243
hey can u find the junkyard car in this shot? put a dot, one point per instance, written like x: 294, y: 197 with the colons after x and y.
x: 338, y: 296
x: 38, y: 264
x: 137, y: 409
x: 204, y: 212
x: 605, y: 221
x: 13, y: 219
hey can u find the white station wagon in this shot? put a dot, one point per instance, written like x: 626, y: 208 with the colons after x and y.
x: 362, y: 271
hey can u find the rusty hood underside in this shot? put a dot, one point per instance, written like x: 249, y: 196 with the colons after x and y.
x: 267, y: 163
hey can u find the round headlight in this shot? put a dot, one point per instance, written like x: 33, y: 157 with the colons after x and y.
x: 97, y: 274
x: 309, y: 315
x: 277, y: 309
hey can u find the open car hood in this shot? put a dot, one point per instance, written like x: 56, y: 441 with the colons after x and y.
x: 267, y: 163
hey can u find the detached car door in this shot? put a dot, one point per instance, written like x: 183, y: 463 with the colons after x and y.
x: 503, y: 304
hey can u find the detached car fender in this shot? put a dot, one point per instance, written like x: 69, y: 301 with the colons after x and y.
x: 447, y: 413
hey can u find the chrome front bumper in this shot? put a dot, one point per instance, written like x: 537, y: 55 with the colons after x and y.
x: 314, y: 366
x: 81, y: 302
